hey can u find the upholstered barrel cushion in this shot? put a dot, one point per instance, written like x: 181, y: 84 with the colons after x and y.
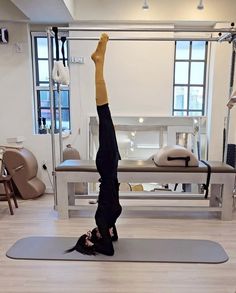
x: 175, y: 156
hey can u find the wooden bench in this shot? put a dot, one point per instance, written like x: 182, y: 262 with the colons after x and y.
x: 222, y: 181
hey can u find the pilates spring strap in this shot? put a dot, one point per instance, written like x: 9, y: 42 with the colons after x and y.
x: 232, y: 69
x: 186, y: 159
x: 206, y: 186
x: 55, y: 30
x: 63, y: 40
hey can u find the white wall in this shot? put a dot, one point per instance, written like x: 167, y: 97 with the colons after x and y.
x: 16, y: 99
x: 16, y: 84
x: 220, y: 63
x: 9, y: 12
x: 138, y: 76
x: 219, y: 93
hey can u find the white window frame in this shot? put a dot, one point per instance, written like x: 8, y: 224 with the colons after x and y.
x: 38, y: 88
x: 188, y: 85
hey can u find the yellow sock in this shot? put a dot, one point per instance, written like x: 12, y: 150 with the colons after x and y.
x: 98, y: 57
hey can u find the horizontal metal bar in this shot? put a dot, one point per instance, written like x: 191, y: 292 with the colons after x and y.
x: 149, y: 197
x: 153, y: 208
x: 143, y: 39
x: 150, y: 29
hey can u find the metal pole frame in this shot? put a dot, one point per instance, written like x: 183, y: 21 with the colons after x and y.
x: 142, y: 39
x: 60, y: 121
x: 232, y: 71
x: 49, y: 35
x: 149, y: 29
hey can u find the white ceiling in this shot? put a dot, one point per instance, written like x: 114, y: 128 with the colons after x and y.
x: 45, y: 11
x: 67, y: 11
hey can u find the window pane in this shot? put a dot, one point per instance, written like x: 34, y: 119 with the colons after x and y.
x: 181, y: 72
x: 189, y: 83
x: 43, y: 70
x: 180, y: 97
x: 65, y: 119
x: 42, y: 47
x: 196, y: 98
x: 195, y: 113
x: 45, y: 113
x: 198, y: 50
x: 42, y: 83
x: 44, y: 100
x: 64, y: 98
x: 197, y: 73
x: 182, y: 49
x: 180, y: 113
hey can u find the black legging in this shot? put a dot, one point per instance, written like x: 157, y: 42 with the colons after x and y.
x: 109, y: 208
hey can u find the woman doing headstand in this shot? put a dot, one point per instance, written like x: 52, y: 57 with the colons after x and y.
x: 109, y: 209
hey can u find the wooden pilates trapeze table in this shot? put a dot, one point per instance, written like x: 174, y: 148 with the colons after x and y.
x: 220, y: 197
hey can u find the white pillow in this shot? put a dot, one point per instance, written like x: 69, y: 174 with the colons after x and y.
x: 60, y: 73
x: 175, y: 155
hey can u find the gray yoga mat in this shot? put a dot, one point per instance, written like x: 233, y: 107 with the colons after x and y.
x: 126, y: 250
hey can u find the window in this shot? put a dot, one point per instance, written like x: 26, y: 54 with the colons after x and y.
x: 189, y: 78
x: 41, y: 88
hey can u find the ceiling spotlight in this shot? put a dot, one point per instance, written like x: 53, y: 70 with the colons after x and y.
x: 145, y: 5
x: 133, y: 133
x: 200, y: 5
x: 140, y: 120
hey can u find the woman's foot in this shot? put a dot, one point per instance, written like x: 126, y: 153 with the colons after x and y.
x: 101, y: 48
x: 98, y: 57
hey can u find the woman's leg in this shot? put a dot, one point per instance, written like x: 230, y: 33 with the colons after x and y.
x: 107, y: 161
x: 108, y: 153
x: 107, y: 156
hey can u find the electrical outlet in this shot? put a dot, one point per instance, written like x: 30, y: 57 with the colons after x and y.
x: 76, y: 59
x: 80, y: 60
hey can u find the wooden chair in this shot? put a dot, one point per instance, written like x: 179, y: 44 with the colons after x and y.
x: 9, y: 192
x: 6, y: 180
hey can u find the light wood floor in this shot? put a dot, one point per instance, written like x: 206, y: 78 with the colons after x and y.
x: 37, y: 217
